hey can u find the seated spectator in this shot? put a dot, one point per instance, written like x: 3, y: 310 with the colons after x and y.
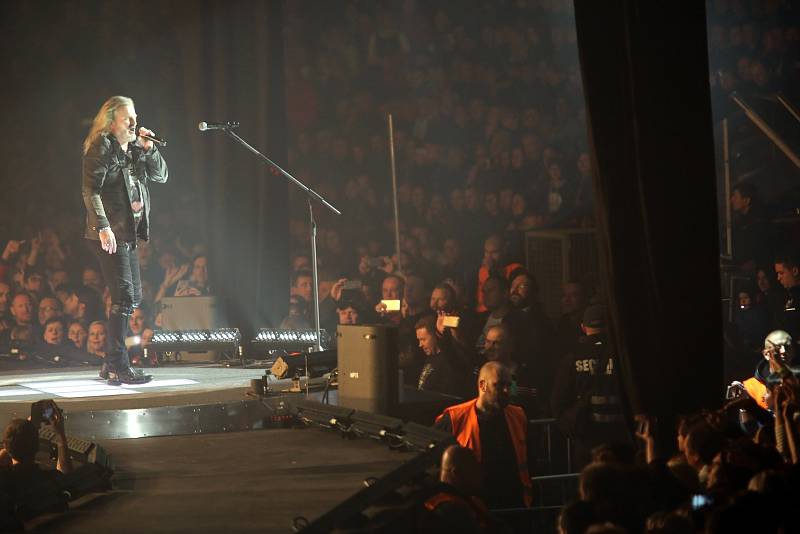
x: 498, y: 347
x: 54, y: 331
x: 561, y: 194
x: 137, y: 325
x: 500, y: 311
x: 55, y: 347
x: 77, y: 335
x: 302, y: 284
x: 348, y: 313
x: 198, y: 283
x: 35, y: 283
x: 22, y: 324
x: 22, y: 305
x: 299, y: 317
x: 83, y: 304
x: 137, y: 321
x: 173, y: 273
x: 92, y: 278
x: 392, y: 288
x: 443, y: 368
x: 49, y: 307
x: 444, y: 302
x: 494, y: 262
x: 97, y: 341
x: 57, y: 277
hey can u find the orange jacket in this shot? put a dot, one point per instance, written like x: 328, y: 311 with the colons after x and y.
x: 757, y: 391
x: 478, y: 510
x: 483, y: 275
x: 467, y: 432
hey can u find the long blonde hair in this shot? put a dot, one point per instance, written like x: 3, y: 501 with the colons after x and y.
x: 102, y: 121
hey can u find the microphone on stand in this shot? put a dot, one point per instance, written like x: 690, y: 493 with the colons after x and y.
x: 203, y: 126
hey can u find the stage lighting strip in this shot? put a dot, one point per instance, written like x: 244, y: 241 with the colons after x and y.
x: 86, y: 388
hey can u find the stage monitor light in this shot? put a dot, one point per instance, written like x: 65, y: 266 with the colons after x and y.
x: 195, y: 340
x: 290, y: 340
x: 318, y: 364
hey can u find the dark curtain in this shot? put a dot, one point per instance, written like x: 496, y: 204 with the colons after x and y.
x: 233, y: 68
x: 645, y: 75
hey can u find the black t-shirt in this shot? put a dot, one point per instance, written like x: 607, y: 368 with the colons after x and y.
x: 439, y: 374
x: 501, y: 483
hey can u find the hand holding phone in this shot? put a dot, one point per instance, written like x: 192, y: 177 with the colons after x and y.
x: 352, y: 285
x: 451, y: 321
x: 392, y: 305
x: 43, y: 411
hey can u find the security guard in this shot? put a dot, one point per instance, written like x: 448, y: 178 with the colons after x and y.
x: 585, y: 397
x: 497, y: 432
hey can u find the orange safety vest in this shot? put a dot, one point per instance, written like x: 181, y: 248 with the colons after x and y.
x: 757, y: 391
x: 467, y: 432
x: 479, y: 511
x: 483, y: 275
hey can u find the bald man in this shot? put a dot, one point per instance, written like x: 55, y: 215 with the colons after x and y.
x: 455, y: 506
x: 497, y: 433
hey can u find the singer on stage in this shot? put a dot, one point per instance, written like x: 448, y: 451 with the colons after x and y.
x: 118, y: 162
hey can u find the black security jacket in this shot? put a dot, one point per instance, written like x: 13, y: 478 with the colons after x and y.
x: 106, y: 192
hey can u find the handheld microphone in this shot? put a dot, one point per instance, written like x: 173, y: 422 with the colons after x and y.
x: 153, y: 138
x: 156, y: 140
x: 203, y: 126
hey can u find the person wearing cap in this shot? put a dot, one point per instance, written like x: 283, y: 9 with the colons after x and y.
x: 585, y: 398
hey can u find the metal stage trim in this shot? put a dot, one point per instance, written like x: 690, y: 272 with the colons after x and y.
x: 168, y: 421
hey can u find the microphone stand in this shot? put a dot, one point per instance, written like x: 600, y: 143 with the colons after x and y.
x: 310, y: 195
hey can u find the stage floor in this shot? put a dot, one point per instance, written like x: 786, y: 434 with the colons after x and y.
x: 255, y: 481
x: 78, y: 390
x: 200, y: 461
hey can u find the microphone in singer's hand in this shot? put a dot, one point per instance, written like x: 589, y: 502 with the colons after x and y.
x: 153, y: 138
x: 203, y: 126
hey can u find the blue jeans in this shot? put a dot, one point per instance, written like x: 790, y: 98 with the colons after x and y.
x: 121, y: 273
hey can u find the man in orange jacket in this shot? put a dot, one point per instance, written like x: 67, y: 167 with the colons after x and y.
x: 497, y: 433
x: 778, y: 352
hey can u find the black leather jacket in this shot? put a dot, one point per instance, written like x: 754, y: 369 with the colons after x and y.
x: 106, y: 192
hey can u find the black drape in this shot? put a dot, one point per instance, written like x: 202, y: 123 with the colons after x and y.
x: 645, y: 75
x: 233, y: 69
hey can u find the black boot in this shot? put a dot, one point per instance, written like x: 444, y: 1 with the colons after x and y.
x: 127, y: 375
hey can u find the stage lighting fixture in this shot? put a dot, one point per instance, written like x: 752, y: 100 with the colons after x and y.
x: 290, y: 340
x: 195, y: 340
x: 318, y: 364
